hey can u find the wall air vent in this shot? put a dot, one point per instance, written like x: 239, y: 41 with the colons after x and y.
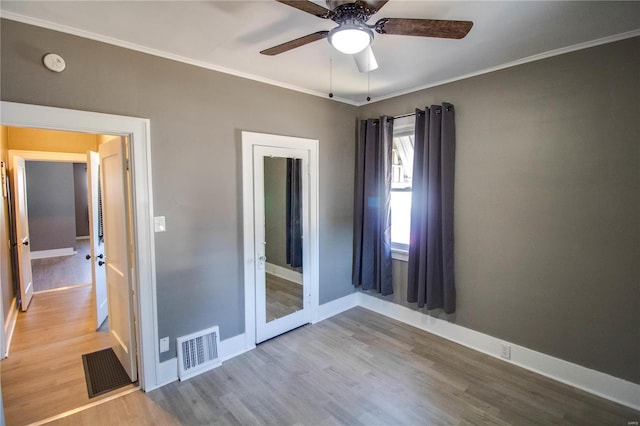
x: 198, y: 352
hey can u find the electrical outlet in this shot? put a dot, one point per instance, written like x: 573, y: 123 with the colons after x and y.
x: 164, y: 344
x: 505, y: 351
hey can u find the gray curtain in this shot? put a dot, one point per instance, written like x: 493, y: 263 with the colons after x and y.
x: 431, y: 280
x: 294, y: 212
x: 372, y: 210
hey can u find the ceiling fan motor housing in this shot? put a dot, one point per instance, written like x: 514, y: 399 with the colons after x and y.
x: 351, y: 12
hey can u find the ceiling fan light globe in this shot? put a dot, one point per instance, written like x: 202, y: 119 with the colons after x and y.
x: 350, y: 39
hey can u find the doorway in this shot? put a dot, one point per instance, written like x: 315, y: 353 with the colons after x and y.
x: 65, y: 322
x: 144, y: 299
x: 280, y: 215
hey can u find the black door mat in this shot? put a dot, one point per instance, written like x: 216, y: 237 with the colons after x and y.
x: 103, y: 372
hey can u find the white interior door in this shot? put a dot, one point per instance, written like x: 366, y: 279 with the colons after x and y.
x: 22, y: 232
x: 98, y: 270
x: 116, y: 253
x: 268, y: 325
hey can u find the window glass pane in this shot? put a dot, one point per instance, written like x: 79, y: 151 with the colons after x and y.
x: 400, y: 216
x: 402, y: 170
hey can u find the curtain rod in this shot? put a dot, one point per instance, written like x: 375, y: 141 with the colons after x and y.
x: 404, y: 115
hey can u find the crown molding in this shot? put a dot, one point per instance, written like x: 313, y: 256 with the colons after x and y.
x: 160, y: 53
x: 533, y: 58
x: 178, y: 58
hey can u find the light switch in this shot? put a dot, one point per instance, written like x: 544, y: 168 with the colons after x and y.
x: 164, y: 344
x: 159, y: 224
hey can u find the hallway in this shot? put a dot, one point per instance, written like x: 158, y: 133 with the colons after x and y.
x: 43, y: 375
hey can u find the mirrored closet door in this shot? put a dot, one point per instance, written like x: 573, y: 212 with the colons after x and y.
x: 281, y: 221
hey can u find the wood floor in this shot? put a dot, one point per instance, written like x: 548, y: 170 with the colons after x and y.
x: 43, y: 375
x: 63, y: 271
x: 360, y: 368
x: 284, y: 297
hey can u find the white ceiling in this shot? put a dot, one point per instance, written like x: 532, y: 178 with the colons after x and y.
x: 228, y: 36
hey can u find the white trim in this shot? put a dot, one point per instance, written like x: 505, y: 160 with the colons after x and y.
x: 329, y: 309
x: 532, y: 58
x: 45, y: 254
x: 232, y: 347
x: 167, y: 372
x: 229, y: 348
x: 399, y: 254
x: 249, y: 140
x: 132, y: 46
x: 138, y: 129
x: 287, y: 274
x: 67, y: 157
x: 592, y: 381
x: 162, y: 54
x: 10, y: 326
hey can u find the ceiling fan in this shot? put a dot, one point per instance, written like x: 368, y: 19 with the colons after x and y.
x: 354, y: 36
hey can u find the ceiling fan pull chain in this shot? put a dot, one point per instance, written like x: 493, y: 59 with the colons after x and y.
x: 368, y: 78
x: 330, y: 74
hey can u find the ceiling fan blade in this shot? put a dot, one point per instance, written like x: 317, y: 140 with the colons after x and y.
x: 309, y: 7
x: 366, y: 60
x: 281, y: 48
x: 424, y: 27
x: 372, y: 6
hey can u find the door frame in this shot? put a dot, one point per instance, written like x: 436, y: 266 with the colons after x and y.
x: 249, y: 141
x: 35, y: 156
x: 144, y: 274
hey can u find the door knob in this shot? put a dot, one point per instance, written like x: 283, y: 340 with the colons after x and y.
x: 100, y: 263
x: 88, y: 257
x: 101, y: 256
x: 26, y: 243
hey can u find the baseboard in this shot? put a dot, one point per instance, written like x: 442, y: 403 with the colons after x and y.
x: 337, y: 306
x: 233, y: 347
x: 10, y: 325
x: 586, y: 379
x: 592, y: 381
x: 285, y: 273
x: 83, y: 237
x: 167, y: 371
x: 45, y: 254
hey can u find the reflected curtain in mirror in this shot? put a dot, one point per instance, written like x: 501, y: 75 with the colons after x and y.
x: 430, y: 273
x: 294, y: 211
x: 372, y: 209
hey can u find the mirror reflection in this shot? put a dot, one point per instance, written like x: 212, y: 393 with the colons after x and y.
x: 283, y: 236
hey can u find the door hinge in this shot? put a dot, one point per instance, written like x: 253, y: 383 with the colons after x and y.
x: 127, y: 164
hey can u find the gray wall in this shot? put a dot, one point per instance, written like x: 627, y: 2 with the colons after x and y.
x: 547, y: 202
x: 196, y: 119
x: 275, y: 194
x: 81, y: 199
x: 51, y: 205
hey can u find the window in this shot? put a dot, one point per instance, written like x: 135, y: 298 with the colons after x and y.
x: 401, y: 179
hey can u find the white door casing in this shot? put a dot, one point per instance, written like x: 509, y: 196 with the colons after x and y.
x: 98, y: 272
x: 22, y: 232
x: 138, y: 129
x: 115, y: 218
x: 250, y: 141
x: 266, y: 330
